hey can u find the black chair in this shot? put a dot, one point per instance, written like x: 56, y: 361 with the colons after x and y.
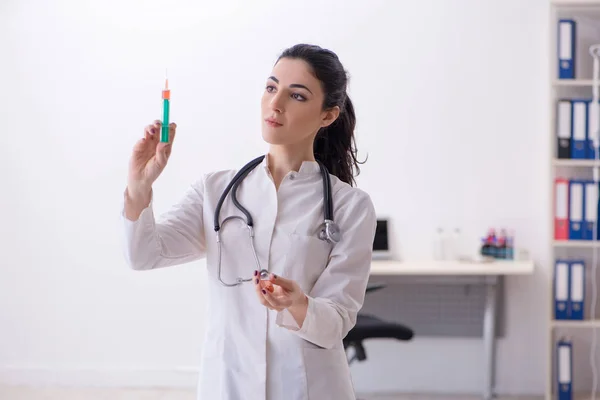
x: 371, y: 327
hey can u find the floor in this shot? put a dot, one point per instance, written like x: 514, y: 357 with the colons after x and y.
x: 25, y: 393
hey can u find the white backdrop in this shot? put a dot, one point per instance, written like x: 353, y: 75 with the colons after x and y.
x: 452, y: 107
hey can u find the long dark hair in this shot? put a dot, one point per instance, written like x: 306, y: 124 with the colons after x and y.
x: 334, y: 145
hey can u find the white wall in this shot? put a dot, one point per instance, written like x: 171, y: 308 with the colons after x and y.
x: 452, y: 104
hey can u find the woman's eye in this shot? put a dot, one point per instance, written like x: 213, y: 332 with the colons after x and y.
x: 298, y: 96
x: 270, y: 88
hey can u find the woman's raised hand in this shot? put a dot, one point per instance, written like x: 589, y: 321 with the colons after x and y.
x: 149, y: 158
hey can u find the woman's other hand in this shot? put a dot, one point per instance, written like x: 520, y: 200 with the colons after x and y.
x: 278, y: 293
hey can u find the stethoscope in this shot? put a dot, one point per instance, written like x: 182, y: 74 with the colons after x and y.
x: 329, y: 231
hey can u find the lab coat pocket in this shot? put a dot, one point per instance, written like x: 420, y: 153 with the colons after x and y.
x: 306, y: 259
x: 328, y: 375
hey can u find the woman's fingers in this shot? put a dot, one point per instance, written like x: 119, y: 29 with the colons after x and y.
x: 268, y: 286
x: 163, y: 150
x: 274, y: 303
x: 259, y: 289
x: 264, y: 290
x: 283, y: 282
x: 153, y: 132
x: 172, y: 130
x: 150, y: 132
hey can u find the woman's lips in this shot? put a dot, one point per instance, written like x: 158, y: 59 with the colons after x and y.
x: 272, y: 122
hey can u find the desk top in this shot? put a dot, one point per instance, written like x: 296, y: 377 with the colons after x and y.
x: 500, y: 267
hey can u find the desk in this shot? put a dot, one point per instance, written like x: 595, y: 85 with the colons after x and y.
x: 491, y: 271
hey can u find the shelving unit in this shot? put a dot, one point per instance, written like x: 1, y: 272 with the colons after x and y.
x: 575, y: 163
x: 579, y: 331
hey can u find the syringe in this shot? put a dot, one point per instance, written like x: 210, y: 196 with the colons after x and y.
x: 166, y: 96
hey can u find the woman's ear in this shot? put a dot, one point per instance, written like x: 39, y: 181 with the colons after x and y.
x: 330, y: 116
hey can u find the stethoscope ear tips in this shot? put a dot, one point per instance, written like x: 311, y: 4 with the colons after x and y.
x: 264, y: 274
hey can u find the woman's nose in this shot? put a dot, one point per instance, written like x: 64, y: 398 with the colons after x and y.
x: 276, y: 104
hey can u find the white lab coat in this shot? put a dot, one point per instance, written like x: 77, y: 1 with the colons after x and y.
x: 249, y: 351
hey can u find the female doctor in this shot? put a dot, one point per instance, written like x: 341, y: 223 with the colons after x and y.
x: 276, y: 335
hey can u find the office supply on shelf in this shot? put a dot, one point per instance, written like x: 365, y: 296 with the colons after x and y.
x: 577, y: 289
x: 590, y: 206
x: 579, y: 138
x: 561, y: 290
x: 569, y: 289
x: 564, y: 376
x: 561, y: 209
x: 566, y: 48
x: 592, y: 127
x: 564, y: 128
x: 577, y: 121
x: 576, y: 200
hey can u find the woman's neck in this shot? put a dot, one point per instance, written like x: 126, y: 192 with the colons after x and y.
x: 283, y: 159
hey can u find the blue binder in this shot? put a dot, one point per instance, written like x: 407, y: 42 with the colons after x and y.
x: 593, y: 122
x: 579, y: 139
x: 566, y: 48
x: 576, y: 207
x: 576, y: 289
x: 561, y: 289
x: 590, y: 209
x: 564, y: 369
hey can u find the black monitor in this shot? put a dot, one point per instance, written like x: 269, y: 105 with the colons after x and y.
x: 381, y: 244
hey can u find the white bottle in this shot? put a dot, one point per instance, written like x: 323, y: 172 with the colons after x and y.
x: 439, y: 245
x: 457, y: 245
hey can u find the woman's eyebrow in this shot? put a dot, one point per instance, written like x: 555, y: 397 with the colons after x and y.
x: 293, y: 85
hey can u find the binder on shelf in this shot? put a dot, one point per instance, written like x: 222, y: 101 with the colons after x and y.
x: 579, y: 139
x: 592, y: 128
x: 590, y: 213
x: 561, y: 289
x: 577, y: 289
x: 576, y: 206
x: 561, y: 209
x: 564, y: 369
x: 564, y: 128
x: 566, y: 48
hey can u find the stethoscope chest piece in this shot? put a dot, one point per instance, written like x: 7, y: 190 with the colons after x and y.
x: 330, y: 232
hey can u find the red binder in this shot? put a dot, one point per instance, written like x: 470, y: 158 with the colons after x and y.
x: 561, y: 209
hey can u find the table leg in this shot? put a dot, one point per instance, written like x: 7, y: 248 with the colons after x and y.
x: 489, y: 337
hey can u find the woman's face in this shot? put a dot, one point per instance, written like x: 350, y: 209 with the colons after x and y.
x: 292, y: 104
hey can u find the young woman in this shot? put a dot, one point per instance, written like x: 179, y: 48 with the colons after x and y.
x: 273, y: 335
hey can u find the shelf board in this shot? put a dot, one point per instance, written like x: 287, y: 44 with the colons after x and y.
x: 565, y: 323
x: 575, y: 163
x: 576, y: 2
x: 576, y: 243
x: 577, y: 395
x: 573, y: 82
